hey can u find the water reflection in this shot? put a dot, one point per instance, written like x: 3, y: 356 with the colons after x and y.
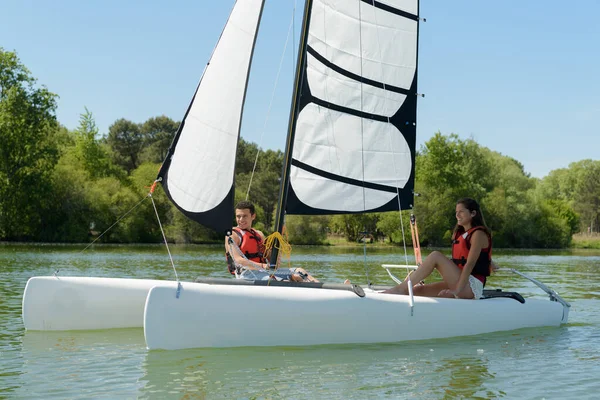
x: 88, y: 364
x: 466, y: 377
x: 426, y: 370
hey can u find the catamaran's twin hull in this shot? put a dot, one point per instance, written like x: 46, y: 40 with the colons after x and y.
x: 55, y: 303
x: 206, y: 315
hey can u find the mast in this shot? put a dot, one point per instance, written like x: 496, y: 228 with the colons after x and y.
x: 295, y: 107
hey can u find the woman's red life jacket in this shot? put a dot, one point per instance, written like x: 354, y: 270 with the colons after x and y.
x: 460, y: 251
x: 251, y: 245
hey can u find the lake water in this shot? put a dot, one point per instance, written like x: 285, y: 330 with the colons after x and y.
x: 549, y: 363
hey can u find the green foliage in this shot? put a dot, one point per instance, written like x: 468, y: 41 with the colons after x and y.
x: 125, y: 140
x: 587, y: 193
x: 354, y: 226
x: 57, y: 185
x: 391, y: 225
x: 262, y: 186
x: 29, y: 150
x: 158, y: 133
x: 579, y: 187
x: 307, y: 229
x: 448, y: 169
x: 89, y: 153
x: 519, y: 213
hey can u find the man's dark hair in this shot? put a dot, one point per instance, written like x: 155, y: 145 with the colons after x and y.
x: 242, y: 205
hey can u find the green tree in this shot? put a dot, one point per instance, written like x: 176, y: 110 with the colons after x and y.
x: 355, y: 226
x: 29, y: 150
x: 158, y: 133
x: 89, y: 152
x: 448, y: 169
x: 126, y: 141
x: 587, y: 197
x: 390, y: 224
x: 307, y: 229
x: 263, y: 186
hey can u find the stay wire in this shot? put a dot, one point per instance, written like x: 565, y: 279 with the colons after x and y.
x: 116, y: 222
x: 290, y: 29
x: 164, y: 238
x: 110, y: 227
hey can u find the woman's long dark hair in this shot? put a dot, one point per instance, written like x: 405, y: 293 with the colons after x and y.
x: 477, y: 220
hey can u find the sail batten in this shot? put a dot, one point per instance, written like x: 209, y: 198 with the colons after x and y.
x: 394, y: 9
x: 354, y: 76
x: 391, y: 188
x: 350, y: 111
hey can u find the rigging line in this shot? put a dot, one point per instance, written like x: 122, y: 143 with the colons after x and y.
x: 392, y: 148
x: 362, y: 139
x: 116, y: 222
x: 290, y: 29
x: 165, y: 239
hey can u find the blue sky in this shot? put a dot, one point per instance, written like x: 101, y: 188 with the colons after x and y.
x: 519, y: 77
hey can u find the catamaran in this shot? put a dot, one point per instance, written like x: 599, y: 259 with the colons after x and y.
x: 350, y: 148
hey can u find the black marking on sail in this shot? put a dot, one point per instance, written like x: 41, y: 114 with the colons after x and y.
x: 391, y: 9
x: 347, y: 110
x: 343, y: 179
x: 354, y: 76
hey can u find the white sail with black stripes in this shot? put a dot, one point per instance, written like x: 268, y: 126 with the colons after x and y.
x: 198, y: 173
x: 353, y: 124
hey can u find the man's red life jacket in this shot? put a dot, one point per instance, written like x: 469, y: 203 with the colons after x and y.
x: 460, y: 251
x: 251, y: 245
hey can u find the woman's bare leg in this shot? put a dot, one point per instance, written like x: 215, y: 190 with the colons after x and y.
x: 436, y: 260
x: 429, y: 289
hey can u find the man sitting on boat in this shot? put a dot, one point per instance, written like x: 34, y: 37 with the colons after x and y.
x: 464, y: 276
x: 245, y: 249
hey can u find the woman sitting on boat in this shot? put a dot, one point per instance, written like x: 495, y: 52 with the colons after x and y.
x: 464, y: 276
x: 244, y: 250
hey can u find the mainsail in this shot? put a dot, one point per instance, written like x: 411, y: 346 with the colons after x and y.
x: 198, y: 173
x: 353, y: 128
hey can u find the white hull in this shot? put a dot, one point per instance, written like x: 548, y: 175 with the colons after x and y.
x: 229, y: 316
x: 53, y: 303
x: 206, y: 315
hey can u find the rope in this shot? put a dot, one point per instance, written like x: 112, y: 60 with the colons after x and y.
x: 414, y: 231
x: 275, y: 239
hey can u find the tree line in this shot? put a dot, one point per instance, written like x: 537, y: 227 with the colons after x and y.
x: 61, y: 185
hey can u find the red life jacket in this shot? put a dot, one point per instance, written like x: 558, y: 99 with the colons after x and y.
x: 460, y: 251
x: 251, y: 245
